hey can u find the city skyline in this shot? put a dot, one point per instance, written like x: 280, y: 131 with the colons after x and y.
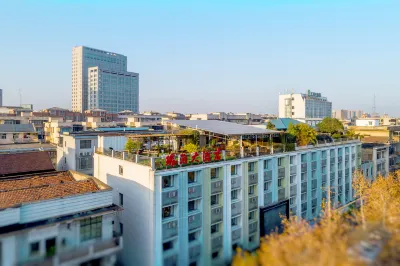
x: 190, y: 57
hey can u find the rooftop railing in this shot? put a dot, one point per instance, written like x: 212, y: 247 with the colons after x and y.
x: 175, y: 160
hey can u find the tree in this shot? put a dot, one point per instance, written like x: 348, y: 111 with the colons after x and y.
x: 270, y: 126
x: 303, y: 133
x: 131, y: 145
x: 330, y: 125
x: 190, y: 147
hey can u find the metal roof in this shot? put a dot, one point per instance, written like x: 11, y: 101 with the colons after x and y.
x: 222, y: 127
x: 16, y: 128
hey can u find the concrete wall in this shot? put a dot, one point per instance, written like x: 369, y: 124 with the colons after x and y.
x: 367, y: 122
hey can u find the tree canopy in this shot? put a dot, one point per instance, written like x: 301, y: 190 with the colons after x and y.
x: 131, y: 145
x: 303, y: 133
x: 271, y: 126
x: 331, y: 126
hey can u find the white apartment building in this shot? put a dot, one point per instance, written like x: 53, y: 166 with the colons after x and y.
x: 368, y: 122
x: 58, y: 218
x: 308, y: 107
x: 197, y: 214
x: 113, y: 91
x: 82, y: 59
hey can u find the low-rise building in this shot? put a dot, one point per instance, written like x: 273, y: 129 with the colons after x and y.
x: 378, y: 154
x: 239, y: 118
x: 56, y: 127
x: 368, y: 122
x: 17, y: 133
x: 58, y: 218
x: 195, y: 209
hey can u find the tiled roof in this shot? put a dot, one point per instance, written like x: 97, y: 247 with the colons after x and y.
x: 16, y: 128
x: 20, y: 163
x: 14, y: 192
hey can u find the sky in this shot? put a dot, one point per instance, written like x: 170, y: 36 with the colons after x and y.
x: 209, y: 56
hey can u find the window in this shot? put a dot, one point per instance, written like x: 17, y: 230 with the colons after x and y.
x: 3, y: 136
x: 292, y: 179
x: 252, y: 166
x: 292, y: 160
x: 167, y: 212
x: 314, y: 174
x: 314, y: 156
x: 85, y: 144
x: 324, y: 154
x: 121, y: 170
x: 267, y: 164
x: 121, y: 199
x: 292, y: 200
x: 251, y: 238
x: 252, y: 215
x: 252, y: 189
x: 234, y: 169
x: 193, y: 236
x: 303, y: 196
x: 90, y: 228
x: 280, y: 161
x: 50, y: 247
x: 214, y: 173
x: 215, y: 228
x: 267, y: 185
x: 303, y: 177
x: 191, y: 177
x: 280, y: 182
x: 168, y: 245
x: 86, y: 162
x: 167, y: 181
x: 235, y: 221
x: 304, y: 158
x: 215, y: 254
x: 235, y: 194
x: 121, y: 228
x: 34, y: 248
x: 193, y: 205
x: 214, y: 200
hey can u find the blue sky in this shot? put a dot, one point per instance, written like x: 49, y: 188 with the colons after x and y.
x: 205, y: 56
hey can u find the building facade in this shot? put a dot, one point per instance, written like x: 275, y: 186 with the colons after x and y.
x: 198, y: 214
x: 58, y: 218
x: 82, y: 59
x: 308, y: 107
x: 113, y: 91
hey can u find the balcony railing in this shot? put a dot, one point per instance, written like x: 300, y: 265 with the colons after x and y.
x: 175, y: 160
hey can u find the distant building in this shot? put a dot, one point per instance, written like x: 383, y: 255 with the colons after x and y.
x: 238, y: 118
x: 368, y: 122
x: 115, y: 82
x: 347, y: 114
x: 308, y: 107
x: 378, y: 154
x: 17, y: 133
x: 58, y: 218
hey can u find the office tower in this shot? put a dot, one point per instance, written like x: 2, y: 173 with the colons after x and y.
x: 308, y: 107
x: 84, y: 58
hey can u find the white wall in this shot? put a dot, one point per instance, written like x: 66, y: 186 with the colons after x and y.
x: 367, y: 122
x: 137, y: 186
x: 116, y: 142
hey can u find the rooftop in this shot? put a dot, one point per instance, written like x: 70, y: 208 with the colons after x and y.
x: 32, y: 188
x: 6, y: 128
x: 27, y: 146
x: 22, y: 163
x: 221, y: 127
x: 283, y: 123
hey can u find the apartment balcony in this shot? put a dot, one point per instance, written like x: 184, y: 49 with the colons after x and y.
x: 236, y: 208
x: 323, y: 163
x: 236, y: 234
x: 194, y: 192
x: 332, y: 160
x: 194, y: 253
x: 293, y: 169
x: 268, y: 175
x: 267, y: 198
x: 236, y: 182
x: 253, y: 203
x: 253, y: 227
x: 281, y: 172
x: 340, y: 159
x: 324, y: 178
x: 304, y: 167
x: 303, y: 187
x: 195, y: 221
x: 216, y: 215
x: 313, y: 165
x: 79, y: 255
x: 170, y: 229
x: 314, y: 184
x: 281, y: 194
x: 169, y: 197
x: 216, y: 187
x: 353, y: 156
x: 253, y: 179
x: 293, y: 190
x: 217, y: 242
x: 171, y: 260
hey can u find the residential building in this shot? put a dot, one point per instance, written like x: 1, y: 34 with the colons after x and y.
x: 347, y: 114
x: 143, y: 120
x: 104, y: 89
x: 50, y: 149
x: 378, y: 154
x: 25, y: 163
x: 182, y: 213
x: 56, y: 127
x: 17, y: 133
x: 308, y: 107
x: 113, y: 91
x: 386, y: 120
x: 368, y: 122
x: 58, y: 218
x: 239, y: 118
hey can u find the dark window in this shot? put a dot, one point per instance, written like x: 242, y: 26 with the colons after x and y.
x: 168, y: 245
x: 35, y: 248
x: 191, y: 205
x: 193, y: 236
x: 121, y: 228
x: 90, y: 228
x: 85, y: 144
x: 191, y: 177
x: 168, y: 181
x: 214, y: 228
x: 50, y: 247
x: 121, y: 199
x: 167, y: 212
x: 215, y: 254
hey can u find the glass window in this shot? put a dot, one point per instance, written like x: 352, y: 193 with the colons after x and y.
x: 252, y: 166
x: 267, y: 164
x: 85, y: 144
x: 251, y: 238
x: 314, y: 156
x: 235, y: 194
x: 280, y: 161
x: 280, y: 182
x: 292, y: 160
x: 34, y: 248
x: 168, y: 245
x: 167, y: 212
x: 194, y: 236
x: 121, y: 199
x: 168, y: 181
x: 304, y: 158
x: 252, y: 189
x: 235, y: 221
x: 90, y: 228
x: 252, y: 215
x: 191, y: 177
x: 267, y: 185
x: 292, y: 200
x: 214, y: 199
x: 215, y: 254
x: 215, y: 228
x: 193, y: 205
x: 234, y: 170
x: 214, y: 173
x: 292, y: 179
